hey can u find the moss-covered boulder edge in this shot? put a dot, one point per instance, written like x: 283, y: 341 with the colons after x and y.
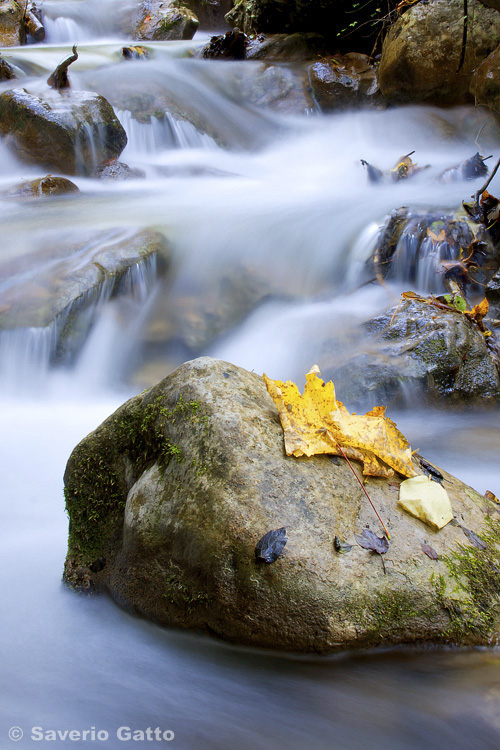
x: 169, y: 496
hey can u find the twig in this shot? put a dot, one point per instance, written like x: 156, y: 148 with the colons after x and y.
x: 483, y: 188
x: 359, y: 482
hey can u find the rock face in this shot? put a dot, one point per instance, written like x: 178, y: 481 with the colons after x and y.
x: 485, y: 82
x: 344, y: 81
x: 162, y: 20
x: 422, y: 51
x: 169, y: 497
x: 68, y: 131
x: 12, y: 31
x: 438, y: 356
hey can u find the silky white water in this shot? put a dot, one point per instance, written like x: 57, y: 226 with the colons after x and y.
x: 284, y: 198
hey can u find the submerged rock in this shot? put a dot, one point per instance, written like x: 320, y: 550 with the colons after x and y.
x: 59, y: 283
x: 44, y: 186
x: 69, y: 131
x: 421, y: 54
x: 170, y: 496
x: 419, y: 351
x: 117, y: 170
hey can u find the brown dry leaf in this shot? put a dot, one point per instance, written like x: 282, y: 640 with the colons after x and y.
x: 313, y: 423
x: 436, y: 237
x: 478, y: 312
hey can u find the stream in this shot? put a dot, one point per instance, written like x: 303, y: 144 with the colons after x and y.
x: 270, y: 220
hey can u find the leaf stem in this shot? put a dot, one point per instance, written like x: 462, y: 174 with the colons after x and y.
x: 360, y: 483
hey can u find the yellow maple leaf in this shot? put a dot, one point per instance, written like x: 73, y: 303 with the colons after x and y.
x: 316, y: 422
x: 436, y: 237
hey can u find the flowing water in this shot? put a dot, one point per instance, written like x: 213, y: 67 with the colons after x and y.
x: 270, y: 221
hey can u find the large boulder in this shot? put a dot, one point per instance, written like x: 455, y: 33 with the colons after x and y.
x: 421, y: 54
x: 12, y: 29
x: 169, y: 497
x: 420, y: 351
x: 162, y: 20
x: 58, y: 284
x: 67, y: 131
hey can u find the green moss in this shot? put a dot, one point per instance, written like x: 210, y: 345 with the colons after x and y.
x: 476, y: 572
x: 105, y: 464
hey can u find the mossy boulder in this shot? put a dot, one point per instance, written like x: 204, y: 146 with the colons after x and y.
x: 422, y: 53
x: 168, y: 498
x: 68, y: 131
x: 12, y: 29
x: 163, y: 20
x: 421, y: 352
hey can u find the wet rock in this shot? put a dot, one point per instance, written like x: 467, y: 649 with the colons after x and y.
x: 117, y: 170
x: 6, y: 70
x: 283, y: 89
x: 492, y: 293
x: 163, y: 20
x: 44, y: 186
x: 12, y: 30
x: 298, y: 47
x: 58, y: 282
x: 135, y: 53
x: 422, y: 352
x: 230, y: 46
x: 192, y: 474
x: 210, y: 13
x: 485, y: 82
x: 344, y: 81
x: 422, y: 52
x: 68, y: 131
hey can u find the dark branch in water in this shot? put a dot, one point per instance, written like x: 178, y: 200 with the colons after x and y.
x: 483, y: 188
x: 59, y: 78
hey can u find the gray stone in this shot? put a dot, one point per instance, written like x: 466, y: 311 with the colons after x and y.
x: 169, y: 497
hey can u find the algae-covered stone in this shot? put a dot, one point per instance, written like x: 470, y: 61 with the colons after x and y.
x: 169, y: 497
x: 68, y: 131
x: 420, y: 351
x: 421, y: 54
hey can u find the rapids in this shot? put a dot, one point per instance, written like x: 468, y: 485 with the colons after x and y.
x: 256, y: 189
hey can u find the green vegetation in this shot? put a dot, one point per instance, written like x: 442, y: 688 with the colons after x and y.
x: 104, y: 466
x: 471, y: 605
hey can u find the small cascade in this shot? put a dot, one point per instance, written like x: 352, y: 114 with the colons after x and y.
x: 415, y: 247
x: 159, y: 134
x: 28, y: 354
